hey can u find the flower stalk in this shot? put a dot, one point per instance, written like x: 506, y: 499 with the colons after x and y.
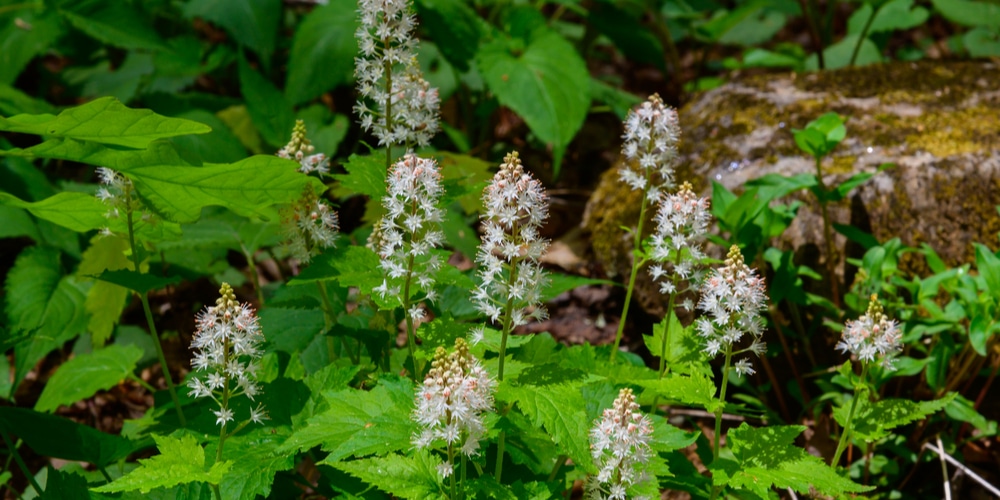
x: 650, y: 148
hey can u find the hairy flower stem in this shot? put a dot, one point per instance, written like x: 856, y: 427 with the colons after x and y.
x: 842, y: 444
x: 637, y: 263
x: 831, y: 261
x: 411, y: 335
x: 388, y: 108
x: 719, y: 410
x: 663, y: 347
x: 508, y: 317
x: 253, y: 276
x: 451, y: 460
x: 149, y: 314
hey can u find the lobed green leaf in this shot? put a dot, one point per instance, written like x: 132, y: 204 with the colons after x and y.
x: 181, y: 460
x: 359, y: 423
x: 414, y: 477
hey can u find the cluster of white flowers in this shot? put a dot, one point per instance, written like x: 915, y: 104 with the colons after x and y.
x: 681, y: 226
x: 619, y: 442
x: 300, y: 149
x: 651, y: 134
x: 515, y: 208
x: 310, y: 225
x: 227, y: 348
x: 405, y: 108
x: 872, y: 334
x: 118, y: 193
x: 733, y: 297
x: 411, y: 226
x: 451, y: 401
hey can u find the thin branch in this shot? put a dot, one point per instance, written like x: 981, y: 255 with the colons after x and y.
x: 976, y: 477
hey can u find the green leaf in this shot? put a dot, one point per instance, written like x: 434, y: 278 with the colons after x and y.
x: 620, y: 101
x: 365, y: 175
x: 414, y: 477
x: 969, y: 13
x: 64, y: 485
x: 558, y: 283
x: 547, y: 84
x: 963, y: 410
x: 138, y: 282
x: 839, y: 54
x: 290, y: 329
x: 78, y: 212
x: 989, y: 268
x: 42, y: 301
x: 455, y: 27
x: 247, y: 187
x: 559, y: 409
x: 271, y: 113
x: 982, y: 42
x: 255, y: 461
x: 253, y: 23
x: 180, y: 461
x: 625, y: 29
x: 348, y: 265
x: 323, y: 51
x: 84, y: 375
x: 116, y: 23
x: 767, y: 458
x: 18, y: 46
x: 892, y: 16
x: 159, y: 152
x: 104, y: 120
x: 695, y: 389
x: 821, y: 135
x: 360, y: 423
x: 219, y: 146
x: 58, y: 437
x: 873, y: 421
x: 685, y: 349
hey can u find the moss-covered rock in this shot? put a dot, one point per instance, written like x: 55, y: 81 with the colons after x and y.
x: 939, y: 123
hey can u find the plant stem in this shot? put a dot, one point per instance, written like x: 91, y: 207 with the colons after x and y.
x: 20, y: 463
x: 501, y: 441
x: 253, y: 275
x: 411, y: 341
x: 722, y: 403
x: 831, y: 260
x: 850, y: 416
x: 149, y: 312
x: 508, y: 318
x: 451, y: 460
x: 863, y: 36
x: 718, y: 412
x: 465, y: 467
x: 663, y: 349
x: 637, y: 262
x: 662, y: 31
x: 813, y: 32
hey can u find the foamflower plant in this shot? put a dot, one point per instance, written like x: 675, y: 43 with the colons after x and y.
x: 406, y: 235
x: 620, y: 445
x: 650, y: 148
x: 395, y: 103
x: 450, y: 404
x: 872, y: 338
x: 516, y: 206
x: 732, y: 298
x: 227, y: 350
